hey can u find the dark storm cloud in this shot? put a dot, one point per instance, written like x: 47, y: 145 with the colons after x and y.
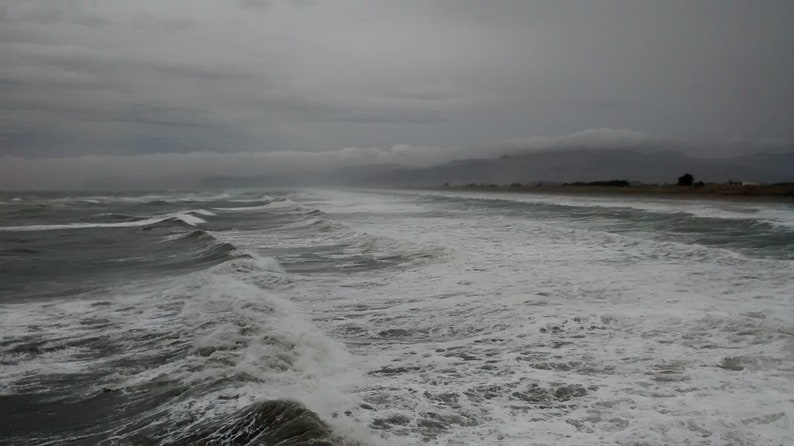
x: 126, y: 78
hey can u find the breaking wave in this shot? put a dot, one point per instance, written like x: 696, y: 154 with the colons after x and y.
x: 187, y: 217
x: 277, y: 422
x: 203, y: 352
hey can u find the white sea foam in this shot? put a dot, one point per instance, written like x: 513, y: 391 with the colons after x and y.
x: 266, y: 198
x: 186, y: 217
x: 235, y: 332
x: 279, y: 204
x: 781, y: 214
x: 240, y: 330
x: 483, y: 346
x: 489, y: 326
x: 189, y: 218
x: 245, y: 208
x: 202, y: 212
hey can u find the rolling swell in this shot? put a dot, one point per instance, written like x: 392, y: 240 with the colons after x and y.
x: 750, y: 229
x: 83, y: 256
x: 276, y: 422
x: 168, y: 325
x: 173, y: 363
x: 210, y: 250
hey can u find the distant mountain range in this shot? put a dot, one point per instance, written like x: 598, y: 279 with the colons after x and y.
x: 548, y: 167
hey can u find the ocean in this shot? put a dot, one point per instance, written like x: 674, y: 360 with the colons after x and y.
x: 260, y: 317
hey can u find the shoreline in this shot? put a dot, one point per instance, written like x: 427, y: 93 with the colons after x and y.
x: 771, y: 192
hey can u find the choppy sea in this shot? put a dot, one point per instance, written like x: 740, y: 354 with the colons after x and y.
x: 253, y: 317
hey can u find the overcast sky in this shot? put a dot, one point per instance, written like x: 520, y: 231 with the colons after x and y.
x: 397, y: 81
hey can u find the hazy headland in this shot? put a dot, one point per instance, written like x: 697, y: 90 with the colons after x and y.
x: 567, y: 171
x: 713, y: 190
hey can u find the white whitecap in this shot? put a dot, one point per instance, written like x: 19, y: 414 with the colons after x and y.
x: 184, y: 217
x: 245, y: 208
x: 278, y: 204
x: 202, y: 212
x: 190, y: 219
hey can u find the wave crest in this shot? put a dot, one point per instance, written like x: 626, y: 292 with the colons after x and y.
x: 281, y: 422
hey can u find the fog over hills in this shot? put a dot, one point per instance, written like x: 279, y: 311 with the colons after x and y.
x: 586, y: 156
x: 547, y: 166
x: 588, y: 165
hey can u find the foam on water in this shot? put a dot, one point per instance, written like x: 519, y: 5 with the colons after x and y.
x: 538, y: 333
x: 246, y: 208
x: 186, y: 217
x: 228, y: 345
x: 403, y: 318
x: 204, y: 212
x: 781, y: 214
x: 275, y: 204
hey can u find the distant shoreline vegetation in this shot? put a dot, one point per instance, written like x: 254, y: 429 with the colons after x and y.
x: 732, y: 188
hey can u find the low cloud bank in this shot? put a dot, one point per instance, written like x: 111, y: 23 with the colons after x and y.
x: 186, y: 170
x: 595, y: 139
x: 180, y: 170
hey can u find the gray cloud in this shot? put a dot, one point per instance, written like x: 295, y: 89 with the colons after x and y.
x: 187, y: 169
x: 167, y: 168
x: 48, y: 13
x: 593, y: 139
x: 624, y: 139
x: 128, y: 78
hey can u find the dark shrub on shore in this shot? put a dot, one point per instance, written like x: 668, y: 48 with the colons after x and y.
x: 610, y: 183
